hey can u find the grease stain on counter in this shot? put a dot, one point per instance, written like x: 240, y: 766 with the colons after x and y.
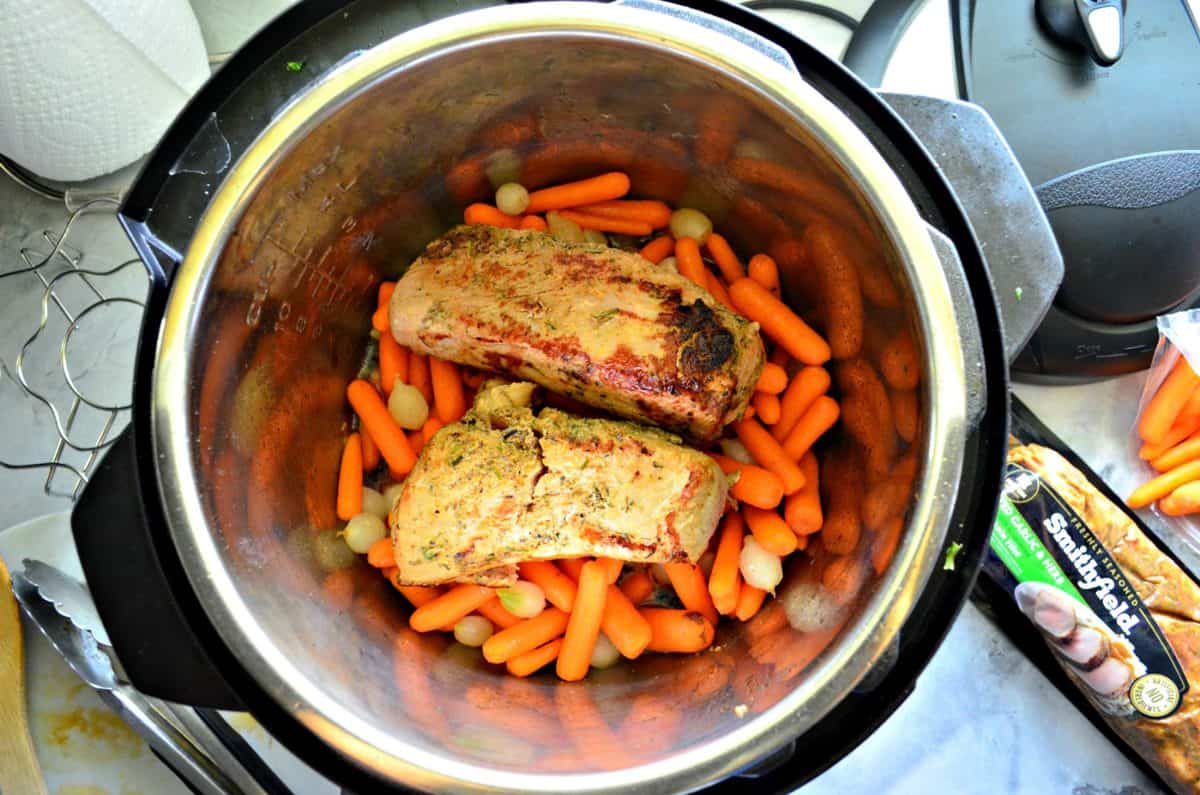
x: 88, y: 734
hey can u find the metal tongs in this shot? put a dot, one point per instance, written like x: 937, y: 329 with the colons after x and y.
x: 197, y: 744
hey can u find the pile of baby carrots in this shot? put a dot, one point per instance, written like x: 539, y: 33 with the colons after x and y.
x: 585, y: 605
x: 1169, y: 427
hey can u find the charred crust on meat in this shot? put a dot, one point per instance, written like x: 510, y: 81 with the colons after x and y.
x: 705, y: 344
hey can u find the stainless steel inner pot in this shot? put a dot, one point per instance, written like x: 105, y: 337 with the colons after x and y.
x: 268, y: 319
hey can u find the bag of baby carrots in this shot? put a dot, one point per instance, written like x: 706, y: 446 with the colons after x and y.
x: 1167, y: 431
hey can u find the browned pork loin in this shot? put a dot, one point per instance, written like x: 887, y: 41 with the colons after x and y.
x: 604, y: 326
x: 506, y: 485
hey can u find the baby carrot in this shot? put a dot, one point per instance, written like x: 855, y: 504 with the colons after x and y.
x: 718, y: 121
x: 1164, y: 407
x: 658, y: 249
x: 687, y: 256
x: 637, y: 587
x: 1189, y: 415
x: 763, y: 270
x: 841, y: 295
x: 393, y: 362
x: 1164, y: 484
x: 770, y: 454
x: 534, y: 222
x: 467, y: 179
x: 379, y: 320
x: 770, y: 531
x: 525, y: 636
x: 572, y: 567
x: 604, y: 223
x: 1177, y: 434
x: 749, y: 601
x: 679, y: 631
x: 393, y: 444
x: 417, y: 595
x: 416, y: 440
x: 583, y: 628
x: 688, y: 581
x: 624, y: 625
x: 350, y: 479
x: 805, y: 387
x: 802, y: 510
x: 885, y: 545
x: 755, y: 485
x: 714, y: 285
x: 447, y: 385
x: 612, y: 568
x: 370, y: 451
x: 558, y: 587
x: 906, y: 415
x: 385, y: 293
x: 727, y: 261
x: 888, y: 497
x: 773, y: 379
x: 820, y: 417
x: 780, y: 356
x: 1182, y: 501
x: 842, y: 490
x: 766, y: 407
x: 494, y: 611
x: 418, y: 375
x: 808, y: 190
x: 779, y: 322
x: 382, y: 554
x: 533, y: 661
x: 432, y: 425
x: 843, y: 577
x: 458, y: 602
x: 898, y: 362
x: 612, y: 185
x: 647, y: 211
x: 1189, y: 450
x: 488, y: 215
x: 725, y: 581
x: 771, y: 620
x: 866, y: 413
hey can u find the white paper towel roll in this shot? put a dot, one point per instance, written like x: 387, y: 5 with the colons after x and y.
x: 88, y: 86
x: 226, y: 24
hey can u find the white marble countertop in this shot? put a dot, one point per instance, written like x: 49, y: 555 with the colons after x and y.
x: 981, y: 719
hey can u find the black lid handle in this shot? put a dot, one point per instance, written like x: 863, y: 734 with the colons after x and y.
x: 151, y: 629
x: 1097, y: 26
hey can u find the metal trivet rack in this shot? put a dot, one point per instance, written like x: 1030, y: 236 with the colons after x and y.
x: 76, y: 291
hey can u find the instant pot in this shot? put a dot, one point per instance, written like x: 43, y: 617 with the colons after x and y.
x: 318, y: 162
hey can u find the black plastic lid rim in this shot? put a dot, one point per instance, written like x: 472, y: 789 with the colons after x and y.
x: 944, y: 596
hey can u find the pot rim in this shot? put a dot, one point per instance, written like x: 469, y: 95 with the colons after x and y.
x: 834, y: 674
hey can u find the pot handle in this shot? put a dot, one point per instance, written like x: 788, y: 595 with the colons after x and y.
x: 1024, y: 263
x: 152, y: 629
x: 719, y: 26
x: 974, y: 373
